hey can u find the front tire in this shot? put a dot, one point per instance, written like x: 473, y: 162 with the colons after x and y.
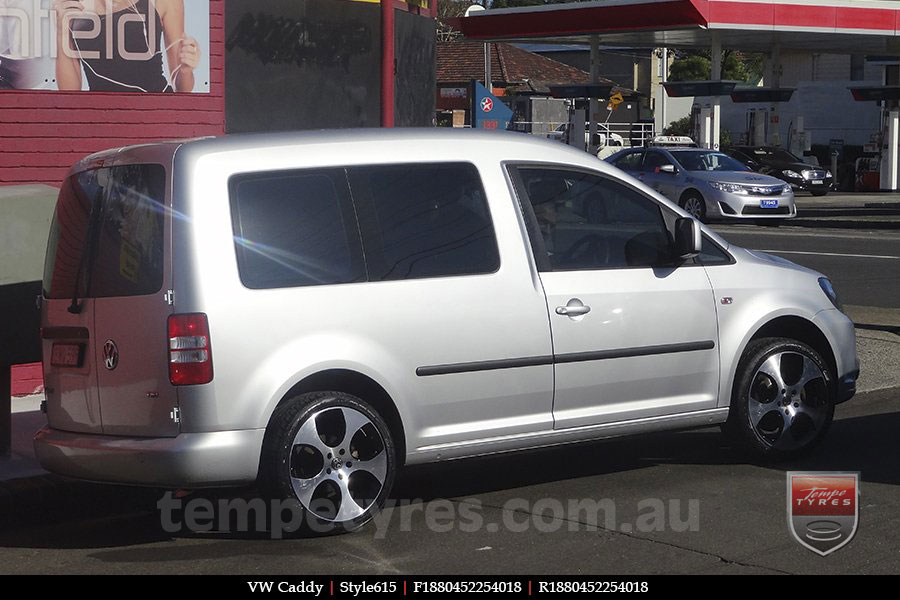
x: 783, y: 399
x: 694, y: 204
x: 333, y: 453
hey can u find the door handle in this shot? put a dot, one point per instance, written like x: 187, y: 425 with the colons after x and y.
x: 574, y: 308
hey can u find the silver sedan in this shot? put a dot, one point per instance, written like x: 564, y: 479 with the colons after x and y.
x: 708, y: 184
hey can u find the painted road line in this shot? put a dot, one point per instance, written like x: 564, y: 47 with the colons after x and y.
x: 830, y: 254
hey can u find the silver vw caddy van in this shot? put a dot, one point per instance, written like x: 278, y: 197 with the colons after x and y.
x: 313, y: 311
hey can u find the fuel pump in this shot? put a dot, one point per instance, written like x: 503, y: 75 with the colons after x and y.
x: 799, y: 142
x: 890, y: 145
x: 757, y: 126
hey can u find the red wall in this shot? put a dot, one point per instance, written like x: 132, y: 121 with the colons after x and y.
x: 43, y: 133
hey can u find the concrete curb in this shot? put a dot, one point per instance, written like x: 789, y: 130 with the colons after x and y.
x: 832, y: 223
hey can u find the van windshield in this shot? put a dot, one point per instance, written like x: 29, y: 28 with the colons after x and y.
x: 106, y: 238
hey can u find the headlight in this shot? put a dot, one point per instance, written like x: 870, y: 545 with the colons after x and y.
x: 828, y: 288
x: 731, y: 188
x: 793, y: 174
x: 786, y: 188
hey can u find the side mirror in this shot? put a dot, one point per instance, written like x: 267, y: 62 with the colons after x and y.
x: 688, y: 237
x: 667, y: 169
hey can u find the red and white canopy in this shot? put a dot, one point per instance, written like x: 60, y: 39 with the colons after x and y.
x: 871, y: 26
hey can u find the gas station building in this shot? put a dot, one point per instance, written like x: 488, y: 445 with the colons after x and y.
x: 851, y: 27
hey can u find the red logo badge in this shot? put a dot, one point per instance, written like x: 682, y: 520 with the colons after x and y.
x: 487, y: 105
x: 823, y: 509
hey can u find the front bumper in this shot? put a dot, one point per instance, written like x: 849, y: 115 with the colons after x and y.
x: 734, y: 206
x: 841, y: 335
x: 809, y: 186
x: 846, y: 387
x: 189, y: 460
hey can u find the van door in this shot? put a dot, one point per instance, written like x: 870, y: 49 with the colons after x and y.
x: 67, y: 319
x: 129, y: 279
x: 633, y: 336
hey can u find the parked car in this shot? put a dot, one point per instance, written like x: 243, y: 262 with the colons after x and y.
x: 709, y: 184
x: 314, y: 311
x: 780, y: 163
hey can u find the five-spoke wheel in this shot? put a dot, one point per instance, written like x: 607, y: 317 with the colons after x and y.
x: 332, y: 453
x: 783, y: 398
x: 338, y: 464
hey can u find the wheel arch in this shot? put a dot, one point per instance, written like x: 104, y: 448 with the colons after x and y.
x: 691, y: 191
x: 359, y: 385
x: 796, y: 328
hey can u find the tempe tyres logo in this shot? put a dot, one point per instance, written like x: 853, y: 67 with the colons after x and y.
x: 823, y: 509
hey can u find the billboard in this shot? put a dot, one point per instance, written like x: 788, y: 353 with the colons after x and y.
x: 149, y: 46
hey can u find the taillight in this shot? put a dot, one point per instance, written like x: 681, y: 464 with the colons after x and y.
x: 190, y: 352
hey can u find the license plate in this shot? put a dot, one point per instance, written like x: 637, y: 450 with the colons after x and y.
x: 817, y: 182
x: 768, y: 203
x: 66, y: 355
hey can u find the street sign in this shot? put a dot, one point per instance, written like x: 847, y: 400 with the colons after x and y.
x: 488, y: 111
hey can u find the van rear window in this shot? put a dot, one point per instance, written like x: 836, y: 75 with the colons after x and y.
x: 106, y: 238
x: 295, y: 229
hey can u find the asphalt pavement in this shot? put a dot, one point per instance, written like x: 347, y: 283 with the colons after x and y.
x: 526, y: 525
x: 664, y: 503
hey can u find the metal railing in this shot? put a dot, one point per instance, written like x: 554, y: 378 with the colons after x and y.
x: 631, y: 134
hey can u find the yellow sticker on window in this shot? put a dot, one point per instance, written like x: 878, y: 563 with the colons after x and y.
x: 129, y: 261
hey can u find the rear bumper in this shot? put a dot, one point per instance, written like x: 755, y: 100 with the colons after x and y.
x: 189, y: 460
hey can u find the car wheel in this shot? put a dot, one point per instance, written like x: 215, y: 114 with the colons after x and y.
x: 332, y: 453
x: 694, y: 205
x: 783, y: 399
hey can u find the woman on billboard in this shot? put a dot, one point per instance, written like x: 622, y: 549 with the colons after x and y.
x: 116, y: 46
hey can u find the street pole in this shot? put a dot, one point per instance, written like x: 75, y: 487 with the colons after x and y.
x: 717, y: 100
x: 387, y: 63
x: 663, y: 123
x: 593, y: 104
x: 487, y: 67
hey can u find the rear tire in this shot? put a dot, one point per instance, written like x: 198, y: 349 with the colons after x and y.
x: 783, y: 399
x: 334, y: 454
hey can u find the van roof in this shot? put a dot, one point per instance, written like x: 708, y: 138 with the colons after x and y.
x: 250, y: 141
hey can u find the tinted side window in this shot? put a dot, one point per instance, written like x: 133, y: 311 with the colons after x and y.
x: 295, y: 229
x: 630, y: 162
x: 129, y: 253
x: 63, y: 267
x: 654, y: 160
x: 424, y: 220
x: 591, y: 222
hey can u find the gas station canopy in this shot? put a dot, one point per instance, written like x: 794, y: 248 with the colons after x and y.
x: 852, y: 26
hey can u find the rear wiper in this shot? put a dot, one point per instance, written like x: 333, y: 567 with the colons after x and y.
x: 76, y: 305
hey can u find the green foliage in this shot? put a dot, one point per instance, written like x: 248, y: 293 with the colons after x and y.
x: 736, y: 66
x: 680, y: 127
x: 689, y: 68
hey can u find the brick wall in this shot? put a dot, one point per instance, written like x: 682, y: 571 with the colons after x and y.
x: 43, y: 133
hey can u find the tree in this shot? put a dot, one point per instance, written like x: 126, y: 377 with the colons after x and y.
x: 695, y: 65
x: 449, y: 9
